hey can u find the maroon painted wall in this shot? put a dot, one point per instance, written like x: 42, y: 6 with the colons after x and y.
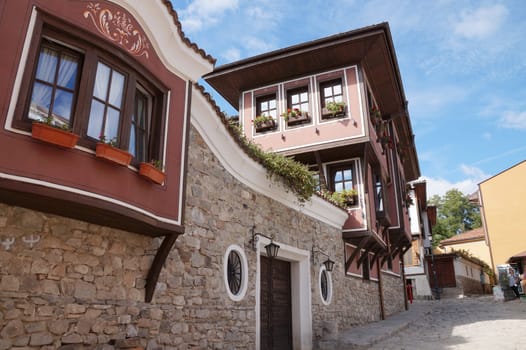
x: 22, y: 156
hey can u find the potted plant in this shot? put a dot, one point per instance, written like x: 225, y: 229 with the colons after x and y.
x: 107, y: 149
x: 152, y: 171
x: 46, y: 130
x: 376, y: 115
x: 294, y: 116
x: 264, y: 123
x: 345, y: 198
x: 333, y: 110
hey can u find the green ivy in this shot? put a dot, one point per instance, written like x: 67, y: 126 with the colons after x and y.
x: 293, y: 174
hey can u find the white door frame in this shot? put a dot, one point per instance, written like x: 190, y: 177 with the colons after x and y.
x: 300, y: 292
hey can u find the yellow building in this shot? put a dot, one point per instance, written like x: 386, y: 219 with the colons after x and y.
x: 472, y: 241
x: 503, y: 213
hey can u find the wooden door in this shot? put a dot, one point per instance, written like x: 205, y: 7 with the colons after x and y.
x: 445, y: 273
x: 275, y: 305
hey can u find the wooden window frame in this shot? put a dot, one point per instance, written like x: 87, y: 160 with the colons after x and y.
x: 340, y: 167
x: 266, y: 98
x: 93, y: 50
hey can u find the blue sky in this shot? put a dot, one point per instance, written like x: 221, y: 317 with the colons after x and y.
x: 463, y: 66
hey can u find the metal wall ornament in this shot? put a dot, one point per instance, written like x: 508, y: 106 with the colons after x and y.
x: 118, y: 28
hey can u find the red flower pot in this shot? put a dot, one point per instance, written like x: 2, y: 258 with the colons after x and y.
x: 113, y: 154
x: 148, y: 171
x: 54, y: 135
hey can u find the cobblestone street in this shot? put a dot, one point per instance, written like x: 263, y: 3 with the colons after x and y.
x: 468, y: 323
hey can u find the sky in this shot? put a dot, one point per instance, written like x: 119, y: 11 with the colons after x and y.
x: 463, y: 67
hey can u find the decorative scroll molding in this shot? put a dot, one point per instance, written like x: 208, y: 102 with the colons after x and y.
x: 118, y: 28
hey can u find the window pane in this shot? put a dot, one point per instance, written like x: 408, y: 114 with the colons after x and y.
x: 338, y: 176
x: 347, y: 174
x: 272, y: 104
x: 116, y: 88
x: 338, y: 187
x: 62, y: 107
x: 96, y: 118
x: 304, y: 106
x: 40, y: 101
x: 100, y: 90
x: 67, y: 74
x: 264, y: 105
x: 295, y: 99
x: 47, y: 65
x: 348, y: 185
x: 304, y: 97
x: 131, y: 147
x: 112, y: 124
x: 327, y: 91
x: 338, y: 98
x: 337, y: 89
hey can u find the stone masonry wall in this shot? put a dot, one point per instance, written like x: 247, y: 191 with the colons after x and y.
x: 69, y: 284
x: 393, y: 291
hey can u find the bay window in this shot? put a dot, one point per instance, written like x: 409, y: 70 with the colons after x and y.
x: 81, y: 83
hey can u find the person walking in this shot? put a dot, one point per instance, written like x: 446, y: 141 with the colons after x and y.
x: 514, y: 280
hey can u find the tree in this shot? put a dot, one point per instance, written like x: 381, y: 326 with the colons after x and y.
x: 455, y: 214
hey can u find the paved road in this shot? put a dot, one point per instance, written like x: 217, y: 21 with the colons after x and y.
x: 477, y: 323
x: 469, y: 323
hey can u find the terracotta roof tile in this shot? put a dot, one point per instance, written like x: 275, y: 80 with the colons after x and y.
x: 473, y: 235
x: 187, y: 41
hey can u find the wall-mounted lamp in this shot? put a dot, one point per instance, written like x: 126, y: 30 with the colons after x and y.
x: 329, y: 264
x: 271, y: 248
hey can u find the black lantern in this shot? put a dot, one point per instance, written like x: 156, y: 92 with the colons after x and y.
x: 329, y: 265
x: 272, y: 249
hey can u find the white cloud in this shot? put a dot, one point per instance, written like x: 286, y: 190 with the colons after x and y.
x: 425, y: 102
x: 232, y: 54
x: 440, y: 186
x: 256, y: 46
x: 482, y: 22
x: 513, y: 120
x: 202, y: 13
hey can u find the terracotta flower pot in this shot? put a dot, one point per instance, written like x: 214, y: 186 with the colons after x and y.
x: 148, y: 171
x: 113, y: 154
x: 54, y: 135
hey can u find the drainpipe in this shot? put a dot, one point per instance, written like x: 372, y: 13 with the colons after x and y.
x: 380, y: 290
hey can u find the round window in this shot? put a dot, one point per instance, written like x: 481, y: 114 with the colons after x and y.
x: 325, y: 286
x: 235, y: 272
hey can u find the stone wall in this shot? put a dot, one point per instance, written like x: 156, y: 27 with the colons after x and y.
x: 393, y: 292
x: 470, y: 285
x: 65, y: 282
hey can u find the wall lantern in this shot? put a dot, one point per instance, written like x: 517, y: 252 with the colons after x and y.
x: 329, y: 264
x: 271, y: 248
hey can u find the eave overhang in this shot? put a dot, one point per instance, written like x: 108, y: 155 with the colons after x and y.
x: 370, y: 47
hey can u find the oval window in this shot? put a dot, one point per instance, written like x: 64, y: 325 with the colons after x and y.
x: 325, y: 286
x: 235, y: 271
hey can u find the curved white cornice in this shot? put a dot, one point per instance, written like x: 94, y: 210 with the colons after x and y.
x: 248, y: 171
x: 158, y: 23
